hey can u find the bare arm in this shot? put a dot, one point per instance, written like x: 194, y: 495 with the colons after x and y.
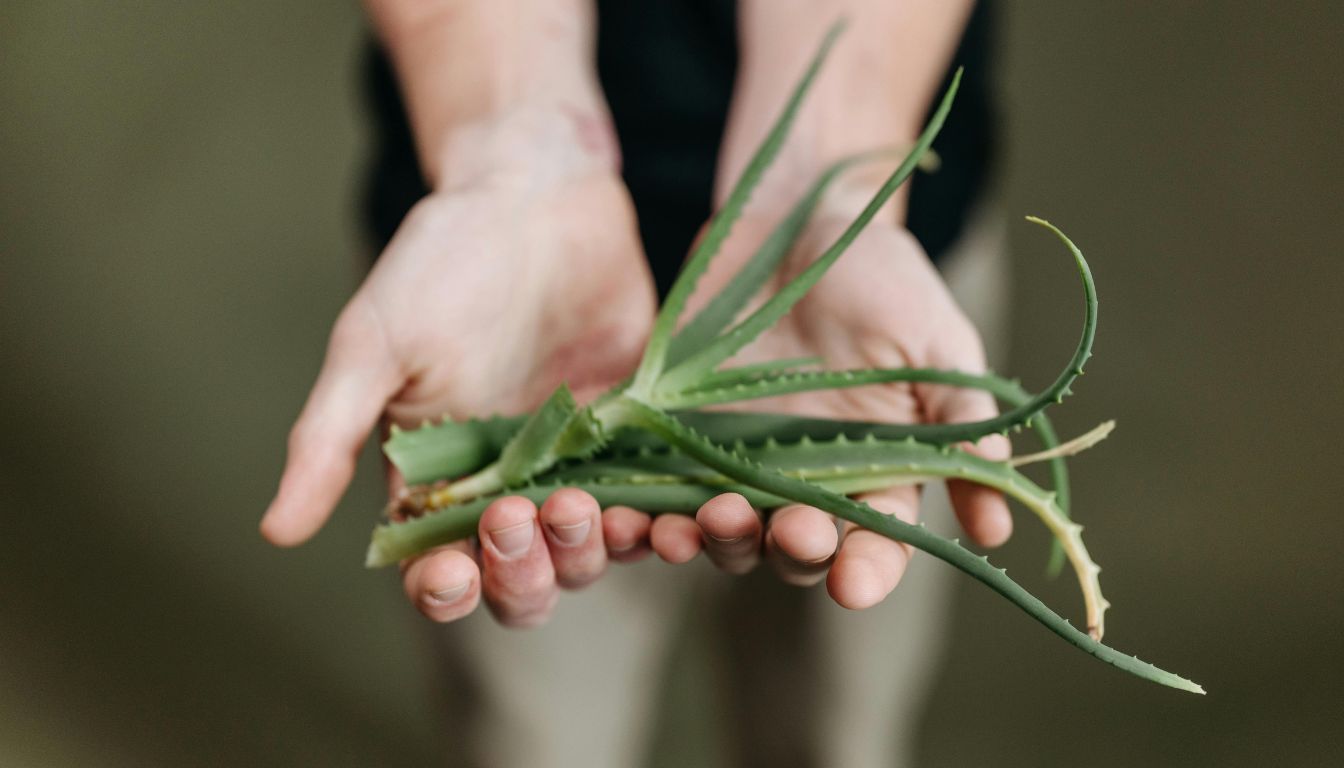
x: 521, y: 269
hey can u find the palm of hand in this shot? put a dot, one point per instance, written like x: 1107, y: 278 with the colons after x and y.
x: 575, y: 302
x: 484, y: 302
x: 881, y: 305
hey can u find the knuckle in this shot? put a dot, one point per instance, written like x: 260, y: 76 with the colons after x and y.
x: 524, y: 617
x: 735, y: 565
x: 581, y: 575
x: 524, y: 586
x: 568, y: 505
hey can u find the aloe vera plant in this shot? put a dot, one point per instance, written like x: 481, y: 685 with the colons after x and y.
x: 645, y: 444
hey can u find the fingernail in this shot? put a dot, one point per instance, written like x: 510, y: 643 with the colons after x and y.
x: 450, y: 594
x: 718, y: 540
x: 573, y: 534
x: 512, y: 540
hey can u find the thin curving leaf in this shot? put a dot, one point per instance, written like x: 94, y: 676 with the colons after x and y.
x: 852, y: 466
x: 951, y: 552
x: 730, y: 301
x: 695, y: 367
x: 767, y: 386
x: 746, y: 374
x: 477, y: 442
x: 840, y: 464
x: 1071, y: 448
x: 655, y: 352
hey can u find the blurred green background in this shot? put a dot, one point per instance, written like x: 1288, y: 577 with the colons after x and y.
x: 178, y: 228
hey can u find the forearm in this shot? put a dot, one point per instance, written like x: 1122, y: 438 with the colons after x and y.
x: 874, y: 91
x: 480, y: 79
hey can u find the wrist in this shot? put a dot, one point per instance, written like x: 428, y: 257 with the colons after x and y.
x: 529, y: 145
x: 483, y: 82
x: 873, y: 93
x: 820, y: 137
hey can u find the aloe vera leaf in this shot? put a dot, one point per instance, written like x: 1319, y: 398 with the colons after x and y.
x: 1022, y: 414
x: 725, y: 306
x: 532, y: 449
x: 449, y: 449
x: 832, y: 457
x: 951, y: 552
x: 690, y: 371
x: 393, y: 542
x: 852, y: 466
x: 811, y: 381
x: 746, y: 374
x: 559, y: 429
x: 1071, y: 447
x: 655, y: 352
x: 769, y: 386
x: 844, y: 465
x: 453, y: 449
x: 482, y: 437
x: 723, y: 427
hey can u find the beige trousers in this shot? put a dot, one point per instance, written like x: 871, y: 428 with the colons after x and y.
x: 664, y: 665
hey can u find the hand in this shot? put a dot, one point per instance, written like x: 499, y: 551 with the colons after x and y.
x: 491, y: 294
x: 882, y: 305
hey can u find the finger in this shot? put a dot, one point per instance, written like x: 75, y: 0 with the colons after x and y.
x: 800, y: 544
x: 626, y: 532
x: 676, y: 538
x: 444, y: 583
x: 357, y: 378
x: 518, y: 578
x: 982, y: 512
x: 731, y: 532
x: 868, y: 565
x: 573, y: 525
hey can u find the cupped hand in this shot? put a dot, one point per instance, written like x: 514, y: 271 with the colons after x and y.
x: 490, y: 295
x: 881, y: 305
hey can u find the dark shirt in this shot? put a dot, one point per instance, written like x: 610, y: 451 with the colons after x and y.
x: 667, y: 69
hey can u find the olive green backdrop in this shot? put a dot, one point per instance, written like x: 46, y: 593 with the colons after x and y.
x: 177, y: 229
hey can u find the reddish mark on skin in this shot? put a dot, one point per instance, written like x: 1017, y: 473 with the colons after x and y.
x: 554, y: 27
x: 596, y: 135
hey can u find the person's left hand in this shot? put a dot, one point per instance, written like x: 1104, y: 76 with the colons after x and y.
x: 882, y: 305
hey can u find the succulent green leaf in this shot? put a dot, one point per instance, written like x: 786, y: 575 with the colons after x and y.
x: 746, y: 374
x: 733, y: 297
x: 394, y: 542
x: 449, y: 449
x: 690, y: 371
x: 558, y: 429
x: 803, y: 492
x: 841, y: 464
x: 481, y: 441
x: 655, y: 353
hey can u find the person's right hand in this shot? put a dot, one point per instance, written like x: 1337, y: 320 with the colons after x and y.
x: 520, y: 274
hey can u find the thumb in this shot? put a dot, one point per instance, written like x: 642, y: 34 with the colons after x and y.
x: 359, y: 375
